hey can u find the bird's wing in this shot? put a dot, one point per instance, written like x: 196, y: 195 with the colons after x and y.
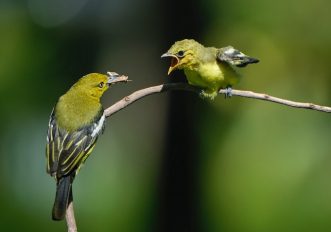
x: 52, y: 145
x: 233, y: 56
x: 66, y: 151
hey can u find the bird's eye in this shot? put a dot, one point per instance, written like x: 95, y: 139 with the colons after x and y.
x: 101, y: 84
x: 180, y: 53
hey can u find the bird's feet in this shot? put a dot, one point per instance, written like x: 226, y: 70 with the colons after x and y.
x: 208, y: 95
x: 228, y: 92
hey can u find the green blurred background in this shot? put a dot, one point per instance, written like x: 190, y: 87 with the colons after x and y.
x: 170, y: 162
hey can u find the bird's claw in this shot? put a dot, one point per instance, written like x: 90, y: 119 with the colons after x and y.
x: 228, y: 92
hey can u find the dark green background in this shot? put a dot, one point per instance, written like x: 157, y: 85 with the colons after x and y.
x: 170, y: 162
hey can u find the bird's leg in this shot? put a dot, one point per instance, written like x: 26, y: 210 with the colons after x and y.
x: 228, y: 92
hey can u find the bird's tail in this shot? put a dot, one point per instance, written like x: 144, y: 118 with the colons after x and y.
x: 247, y: 60
x: 62, y: 198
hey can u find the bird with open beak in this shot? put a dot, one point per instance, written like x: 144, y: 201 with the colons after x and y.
x: 209, y: 68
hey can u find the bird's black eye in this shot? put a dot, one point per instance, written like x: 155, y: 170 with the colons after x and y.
x: 180, y: 53
x: 101, y: 84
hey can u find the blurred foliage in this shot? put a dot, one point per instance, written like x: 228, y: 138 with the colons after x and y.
x: 261, y: 166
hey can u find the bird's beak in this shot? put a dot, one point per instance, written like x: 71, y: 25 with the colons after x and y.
x: 174, y: 61
x: 114, y: 77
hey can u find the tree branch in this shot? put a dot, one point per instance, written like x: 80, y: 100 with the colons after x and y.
x: 182, y: 86
x: 70, y: 218
x: 137, y: 95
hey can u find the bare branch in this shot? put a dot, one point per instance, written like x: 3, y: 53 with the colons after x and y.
x: 146, y: 92
x: 137, y: 95
x: 70, y: 218
x: 266, y: 97
x: 182, y: 86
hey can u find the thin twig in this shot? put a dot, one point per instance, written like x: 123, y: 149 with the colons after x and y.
x: 182, y: 86
x: 70, y: 218
x: 266, y: 97
x: 137, y: 95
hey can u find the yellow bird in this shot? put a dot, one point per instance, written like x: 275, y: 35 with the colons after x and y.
x: 209, y: 68
x: 75, y: 124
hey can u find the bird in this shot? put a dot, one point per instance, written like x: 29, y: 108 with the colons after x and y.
x: 74, y: 126
x: 209, y: 68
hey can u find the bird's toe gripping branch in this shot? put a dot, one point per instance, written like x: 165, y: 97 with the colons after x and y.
x: 228, y: 92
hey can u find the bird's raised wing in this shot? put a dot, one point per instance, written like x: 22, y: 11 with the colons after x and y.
x: 233, y: 56
x: 66, y: 151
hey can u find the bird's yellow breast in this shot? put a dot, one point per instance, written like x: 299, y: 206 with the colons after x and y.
x: 212, y: 75
x: 75, y: 110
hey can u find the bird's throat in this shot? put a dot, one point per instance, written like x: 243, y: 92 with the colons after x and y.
x: 174, y: 62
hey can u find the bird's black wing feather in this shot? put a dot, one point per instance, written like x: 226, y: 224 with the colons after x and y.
x: 66, y: 151
x: 233, y: 56
x: 52, y: 151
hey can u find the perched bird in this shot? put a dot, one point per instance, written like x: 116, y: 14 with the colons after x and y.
x: 75, y: 124
x: 207, y: 67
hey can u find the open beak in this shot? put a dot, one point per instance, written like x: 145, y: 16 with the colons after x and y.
x: 114, y: 78
x: 174, y: 61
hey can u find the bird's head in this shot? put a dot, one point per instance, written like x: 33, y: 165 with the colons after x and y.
x: 183, y: 54
x: 95, y: 84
